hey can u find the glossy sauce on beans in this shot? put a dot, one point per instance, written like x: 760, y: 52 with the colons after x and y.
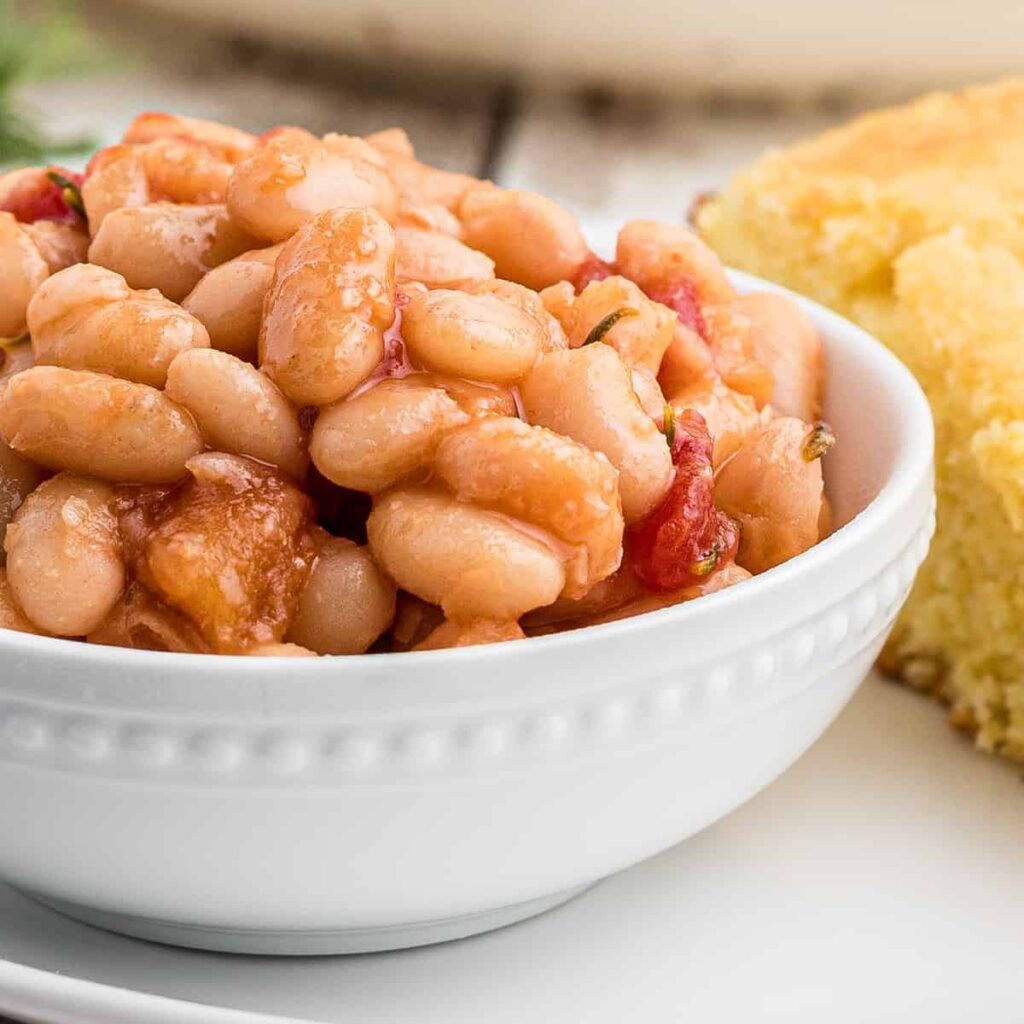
x: 290, y: 396
x: 330, y: 300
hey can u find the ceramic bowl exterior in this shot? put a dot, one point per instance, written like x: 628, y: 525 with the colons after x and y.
x: 371, y: 802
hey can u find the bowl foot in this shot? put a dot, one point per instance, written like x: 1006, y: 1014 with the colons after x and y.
x: 308, y: 943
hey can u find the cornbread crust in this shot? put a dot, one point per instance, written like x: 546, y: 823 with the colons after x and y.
x: 911, y: 222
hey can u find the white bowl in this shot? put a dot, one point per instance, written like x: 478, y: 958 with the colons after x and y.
x: 364, y: 803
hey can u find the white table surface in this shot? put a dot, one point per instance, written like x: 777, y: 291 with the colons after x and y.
x: 881, y: 879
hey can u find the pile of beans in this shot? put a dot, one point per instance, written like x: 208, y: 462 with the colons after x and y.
x: 292, y: 395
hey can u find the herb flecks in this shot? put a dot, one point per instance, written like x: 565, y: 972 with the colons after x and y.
x: 603, y: 326
x: 70, y: 192
x: 818, y: 442
x: 668, y: 424
x: 706, y: 565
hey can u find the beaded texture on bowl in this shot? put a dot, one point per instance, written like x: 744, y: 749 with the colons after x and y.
x: 109, y: 743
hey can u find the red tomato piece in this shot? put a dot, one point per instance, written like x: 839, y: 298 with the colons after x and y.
x: 681, y: 295
x: 396, y: 363
x: 685, y: 539
x: 593, y: 268
x: 36, y: 197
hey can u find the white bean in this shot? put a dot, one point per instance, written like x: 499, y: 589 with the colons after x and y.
x: 228, y: 301
x: 330, y: 301
x: 641, y: 335
x: 115, y: 178
x: 98, y: 426
x: 474, y: 563
x: 61, y: 245
x: 785, y: 340
x: 382, y: 436
x: 167, y: 246
x: 347, y: 602
x: 542, y: 478
x: 481, y: 337
x: 531, y: 239
x: 87, y: 318
x: 438, y: 260
x: 18, y: 478
x: 64, y: 560
x: 469, y: 634
x: 773, y: 486
x: 11, y: 615
x: 22, y: 271
x: 238, y: 409
x: 586, y: 394
x: 294, y: 176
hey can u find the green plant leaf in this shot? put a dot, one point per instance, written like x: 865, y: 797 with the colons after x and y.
x: 599, y: 330
x: 47, y: 41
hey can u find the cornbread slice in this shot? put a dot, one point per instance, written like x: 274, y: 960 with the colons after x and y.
x: 911, y: 222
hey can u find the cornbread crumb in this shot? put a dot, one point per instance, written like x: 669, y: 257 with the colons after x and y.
x: 911, y: 222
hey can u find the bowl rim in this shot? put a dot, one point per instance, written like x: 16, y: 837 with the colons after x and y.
x: 912, y: 463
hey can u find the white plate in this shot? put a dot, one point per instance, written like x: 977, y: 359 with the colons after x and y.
x: 878, y: 880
